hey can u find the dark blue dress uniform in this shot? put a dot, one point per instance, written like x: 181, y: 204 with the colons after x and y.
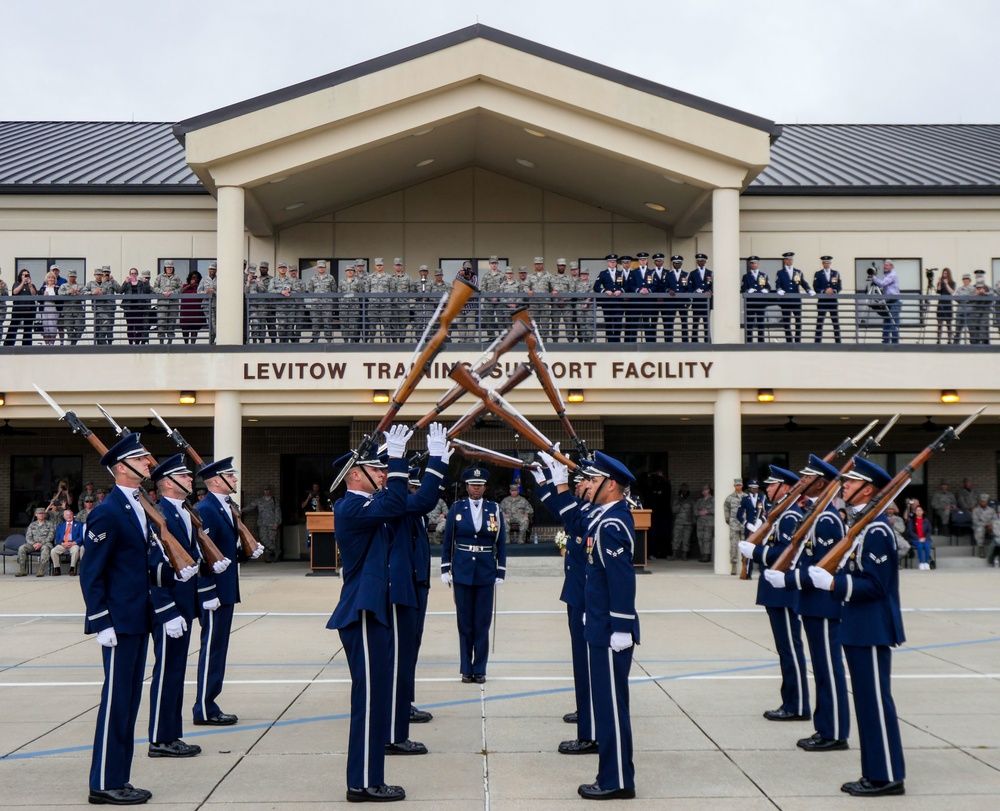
x: 407, y: 565
x: 122, y: 562
x: 820, y: 614
x: 789, y: 283
x: 754, y: 288
x: 166, y: 689
x: 750, y: 511
x: 872, y: 624
x: 610, y: 608
x: 782, y: 611
x: 476, y: 559
x: 608, y: 282
x: 642, y: 309
x: 826, y: 306
x: 700, y: 281
x: 675, y: 282
x: 218, y: 523
x: 362, y: 617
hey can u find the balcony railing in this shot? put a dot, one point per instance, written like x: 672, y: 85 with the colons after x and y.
x: 563, y: 319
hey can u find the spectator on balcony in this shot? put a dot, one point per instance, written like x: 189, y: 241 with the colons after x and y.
x: 539, y: 292
x: 67, y: 541
x: 494, y: 310
x: 421, y: 303
x: 576, y: 317
x: 209, y: 287
x: 22, y: 311
x: 962, y: 308
x: 399, y: 307
x: 790, y: 283
x: 675, y: 284
x: 255, y: 307
x: 610, y: 286
x: 3, y: 304
x: 562, y: 308
x: 754, y: 286
x: 352, y: 306
x: 945, y: 288
x: 167, y: 287
x: 979, y: 311
x: 73, y: 314
x: 48, y: 314
x: 105, y: 307
x: 888, y: 283
x: 827, y: 284
x: 323, y: 311
x: 137, y: 306
x: 192, y: 316
x: 639, y: 311
x: 379, y: 308
x: 700, y: 282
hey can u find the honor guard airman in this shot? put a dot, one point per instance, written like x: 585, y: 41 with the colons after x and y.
x: 474, y: 562
x: 700, y: 283
x: 790, y: 283
x: 642, y: 312
x: 755, y: 287
x: 610, y: 286
x: 676, y: 303
x: 827, y: 285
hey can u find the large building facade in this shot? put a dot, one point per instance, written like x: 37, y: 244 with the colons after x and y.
x: 478, y: 144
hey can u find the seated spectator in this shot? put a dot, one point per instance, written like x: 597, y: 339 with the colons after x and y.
x: 89, y: 502
x: 517, y: 512
x: 38, y: 538
x: 918, y: 532
x: 898, y: 527
x: 966, y: 496
x: 943, y: 503
x: 88, y: 490
x: 985, y: 524
x: 68, y: 541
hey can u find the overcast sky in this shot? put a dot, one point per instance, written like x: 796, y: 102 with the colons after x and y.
x: 793, y: 61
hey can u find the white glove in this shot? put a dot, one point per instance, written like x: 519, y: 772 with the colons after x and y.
x: 187, y: 573
x: 498, y: 581
x: 620, y: 641
x: 437, y: 440
x: 107, y: 638
x: 781, y: 292
x: 446, y: 578
x: 812, y: 292
x: 211, y: 605
x: 746, y: 549
x: 396, y: 439
x: 257, y: 552
x: 175, y: 628
x: 221, y: 565
x: 755, y: 525
x: 776, y: 579
x: 560, y: 473
x: 751, y: 290
x: 538, y: 474
x: 821, y: 578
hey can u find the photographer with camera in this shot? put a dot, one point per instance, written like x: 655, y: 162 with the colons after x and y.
x: 22, y: 312
x: 888, y: 286
x: 945, y: 289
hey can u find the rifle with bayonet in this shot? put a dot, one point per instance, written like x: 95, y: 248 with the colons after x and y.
x: 811, y: 516
x: 759, y: 535
x: 249, y: 543
x: 476, y: 453
x: 178, y: 556
x: 874, y: 508
x: 209, y: 550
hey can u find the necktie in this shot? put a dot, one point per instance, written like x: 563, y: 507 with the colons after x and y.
x: 232, y: 512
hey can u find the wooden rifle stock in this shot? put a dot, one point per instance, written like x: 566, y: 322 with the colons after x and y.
x: 463, y: 376
x: 511, y: 338
x: 472, y: 416
x: 479, y: 454
x: 784, y: 561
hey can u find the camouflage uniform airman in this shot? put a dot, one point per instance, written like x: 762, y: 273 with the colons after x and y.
x: 298, y: 304
x: 268, y: 512
x: 985, y: 524
x: 323, y: 311
x: 422, y: 302
x: 517, y: 512
x: 3, y: 304
x: 104, y: 310
x: 540, y: 290
x: 255, y: 307
x: 40, y: 532
x: 399, y: 307
x: 493, y: 310
x: 729, y: 509
x: 351, y: 305
x: 168, y: 305
x: 683, y: 510
x: 508, y: 287
x: 378, y: 313
x: 561, y: 308
x: 705, y: 524
x: 209, y: 286
x: 280, y: 320
x: 436, y: 519
x: 439, y: 286
x: 73, y: 314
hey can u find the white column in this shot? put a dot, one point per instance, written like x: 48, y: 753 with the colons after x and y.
x: 725, y: 261
x: 229, y: 245
x: 728, y: 443
x: 229, y: 426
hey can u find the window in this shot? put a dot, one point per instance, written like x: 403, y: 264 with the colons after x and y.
x: 39, y: 267
x: 908, y: 270
x: 755, y: 465
x: 307, y: 267
x: 33, y: 482
x: 769, y: 266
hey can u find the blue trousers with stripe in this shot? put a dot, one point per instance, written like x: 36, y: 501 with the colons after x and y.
x: 787, y: 629
x: 114, y: 739
x: 609, y: 686
x: 832, y: 716
x: 581, y: 675
x: 875, y: 711
x: 166, y: 690
x: 423, y: 593
x: 404, y: 666
x: 367, y: 645
x: 474, y: 611
x: 215, y: 628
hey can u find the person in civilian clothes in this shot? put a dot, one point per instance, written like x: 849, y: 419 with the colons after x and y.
x: 700, y: 282
x: 675, y: 282
x: 611, y: 284
x: 166, y: 689
x: 756, y: 284
x: 788, y: 282
x: 123, y: 557
x: 403, y: 600
x: 611, y: 624
x: 216, y: 616
x: 820, y: 618
x: 574, y: 511
x: 827, y: 285
x: 871, y: 624
x: 376, y: 494
x: 782, y: 605
x: 474, y: 561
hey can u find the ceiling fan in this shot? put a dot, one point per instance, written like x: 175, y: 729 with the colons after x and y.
x: 927, y: 425
x: 793, y: 426
x: 8, y: 430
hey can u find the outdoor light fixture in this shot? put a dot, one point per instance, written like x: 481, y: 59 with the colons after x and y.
x: 188, y: 398
x: 380, y: 396
x: 3, y: 398
x: 765, y: 395
x: 949, y: 396
x: 575, y: 395
x: 656, y: 206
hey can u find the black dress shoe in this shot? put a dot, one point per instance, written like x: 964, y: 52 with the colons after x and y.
x: 140, y: 790
x: 578, y: 747
x: 479, y: 678
x: 376, y: 794
x: 866, y: 788
x: 819, y: 744
x: 466, y: 678
x: 174, y: 749
x: 595, y: 792
x: 119, y: 796
x: 784, y: 715
x: 571, y: 718
x: 406, y: 747
x: 221, y: 720
x: 419, y: 716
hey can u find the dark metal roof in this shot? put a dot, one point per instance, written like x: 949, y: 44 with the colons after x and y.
x: 466, y: 34
x: 93, y: 157
x: 883, y: 159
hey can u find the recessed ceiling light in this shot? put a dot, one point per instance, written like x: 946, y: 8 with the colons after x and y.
x: 685, y: 419
x: 674, y: 179
x: 656, y: 207
x: 526, y: 163
x: 845, y: 418
x: 252, y: 419
x: 427, y: 162
x: 423, y: 132
x: 294, y: 206
x: 536, y: 133
x: 279, y: 179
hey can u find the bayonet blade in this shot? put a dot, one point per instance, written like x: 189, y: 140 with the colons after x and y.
x: 864, y: 432
x: 119, y: 430
x: 50, y: 401
x: 972, y: 418
x: 162, y: 421
x: 884, y: 431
